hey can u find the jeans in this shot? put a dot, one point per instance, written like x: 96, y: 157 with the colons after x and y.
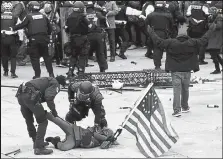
x: 181, y: 83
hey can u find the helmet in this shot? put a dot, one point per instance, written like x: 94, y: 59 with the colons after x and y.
x: 34, y: 5
x: 84, y: 91
x: 79, y: 7
x: 89, y: 4
x: 7, y: 6
x: 47, y: 8
x: 61, y: 80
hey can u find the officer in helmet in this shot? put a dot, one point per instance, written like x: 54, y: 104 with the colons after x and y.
x: 39, y: 29
x: 8, y: 38
x: 77, y: 27
x: 162, y: 22
x: 82, y: 97
x: 95, y: 37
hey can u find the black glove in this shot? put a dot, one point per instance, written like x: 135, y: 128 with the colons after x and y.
x: 54, y: 112
x: 103, y: 123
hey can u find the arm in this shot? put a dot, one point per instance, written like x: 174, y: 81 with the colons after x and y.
x: 49, y: 26
x: 99, y: 112
x: 162, y: 43
x: 188, y: 11
x: 22, y: 25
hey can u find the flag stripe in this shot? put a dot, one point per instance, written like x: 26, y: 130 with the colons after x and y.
x: 162, y: 127
x: 129, y: 129
x: 141, y: 134
x: 142, y: 129
x: 154, y: 138
x: 143, y: 148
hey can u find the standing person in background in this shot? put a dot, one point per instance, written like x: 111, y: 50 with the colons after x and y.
x: 111, y: 10
x: 8, y: 39
x: 215, y: 43
x: 39, y: 29
x: 198, y: 24
x: 181, y: 59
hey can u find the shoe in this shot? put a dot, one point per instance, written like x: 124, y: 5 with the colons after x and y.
x: 112, y: 59
x: 216, y: 72
x: 13, y: 75
x: 122, y: 56
x: 42, y: 151
x: 5, y: 74
x: 203, y: 62
x: 149, y: 56
x: 102, y: 70
x: 132, y: 47
x: 21, y: 63
x: 44, y: 144
x: 89, y: 65
x: 34, y: 77
x: 177, y: 113
x: 185, y: 110
x: 53, y: 140
x: 51, y: 75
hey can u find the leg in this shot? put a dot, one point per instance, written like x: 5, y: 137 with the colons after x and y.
x: 83, y: 56
x: 47, y: 58
x: 13, y: 53
x: 185, y: 89
x: 67, y: 144
x: 124, y: 46
x: 64, y: 125
x: 4, y: 52
x: 111, y: 38
x: 215, y: 61
x: 34, y: 57
x: 157, y: 56
x: 176, y: 81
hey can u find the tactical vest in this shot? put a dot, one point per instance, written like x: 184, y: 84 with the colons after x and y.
x: 93, y: 20
x: 197, y: 12
x: 7, y: 20
x: 37, y: 25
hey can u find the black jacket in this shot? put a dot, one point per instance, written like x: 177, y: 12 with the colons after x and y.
x: 181, y: 55
x: 48, y: 86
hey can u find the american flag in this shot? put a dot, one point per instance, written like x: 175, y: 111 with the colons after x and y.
x: 148, y: 123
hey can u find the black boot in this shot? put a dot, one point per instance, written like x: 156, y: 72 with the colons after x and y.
x: 44, y: 144
x: 112, y: 59
x: 42, y: 151
x: 13, y: 75
x: 122, y: 55
x: 102, y: 69
x: 53, y: 140
x: 5, y: 74
x: 216, y: 72
x: 34, y: 77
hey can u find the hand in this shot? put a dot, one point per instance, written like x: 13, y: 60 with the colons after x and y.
x: 54, y: 112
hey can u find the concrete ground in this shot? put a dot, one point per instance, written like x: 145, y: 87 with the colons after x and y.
x: 200, y: 130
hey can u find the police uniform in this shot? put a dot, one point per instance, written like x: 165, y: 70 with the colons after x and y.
x: 80, y: 109
x: 120, y: 31
x: 198, y: 24
x: 38, y: 30
x: 77, y: 26
x: 8, y: 42
x: 162, y: 22
x: 30, y: 96
x: 76, y: 136
x: 95, y: 38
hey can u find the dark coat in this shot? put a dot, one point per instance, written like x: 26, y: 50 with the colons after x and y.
x: 215, y: 40
x: 181, y: 54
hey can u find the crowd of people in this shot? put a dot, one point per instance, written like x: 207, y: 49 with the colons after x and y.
x: 120, y: 24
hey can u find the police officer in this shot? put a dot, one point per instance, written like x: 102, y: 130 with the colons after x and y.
x: 82, y: 97
x: 198, y: 24
x: 78, y: 137
x: 38, y: 30
x: 162, y: 22
x: 120, y: 31
x: 95, y: 37
x: 30, y: 96
x: 8, y: 39
x: 77, y: 27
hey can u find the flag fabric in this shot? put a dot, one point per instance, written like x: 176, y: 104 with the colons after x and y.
x: 148, y: 123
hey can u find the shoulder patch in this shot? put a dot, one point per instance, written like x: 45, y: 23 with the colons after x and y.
x: 6, y: 17
x: 37, y: 17
x: 196, y: 7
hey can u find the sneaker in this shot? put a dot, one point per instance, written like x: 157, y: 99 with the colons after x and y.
x: 42, y: 151
x: 122, y: 56
x: 177, y: 113
x: 185, y: 110
x: 13, y: 75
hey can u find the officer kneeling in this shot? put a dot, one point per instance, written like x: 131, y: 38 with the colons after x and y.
x: 82, y: 97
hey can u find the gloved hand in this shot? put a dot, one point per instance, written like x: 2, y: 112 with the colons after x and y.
x: 54, y: 112
x: 97, y: 128
x: 103, y: 123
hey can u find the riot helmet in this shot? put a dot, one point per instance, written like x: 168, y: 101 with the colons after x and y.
x: 79, y: 7
x: 6, y: 7
x: 34, y: 6
x: 61, y: 80
x: 160, y: 4
x: 84, y: 91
